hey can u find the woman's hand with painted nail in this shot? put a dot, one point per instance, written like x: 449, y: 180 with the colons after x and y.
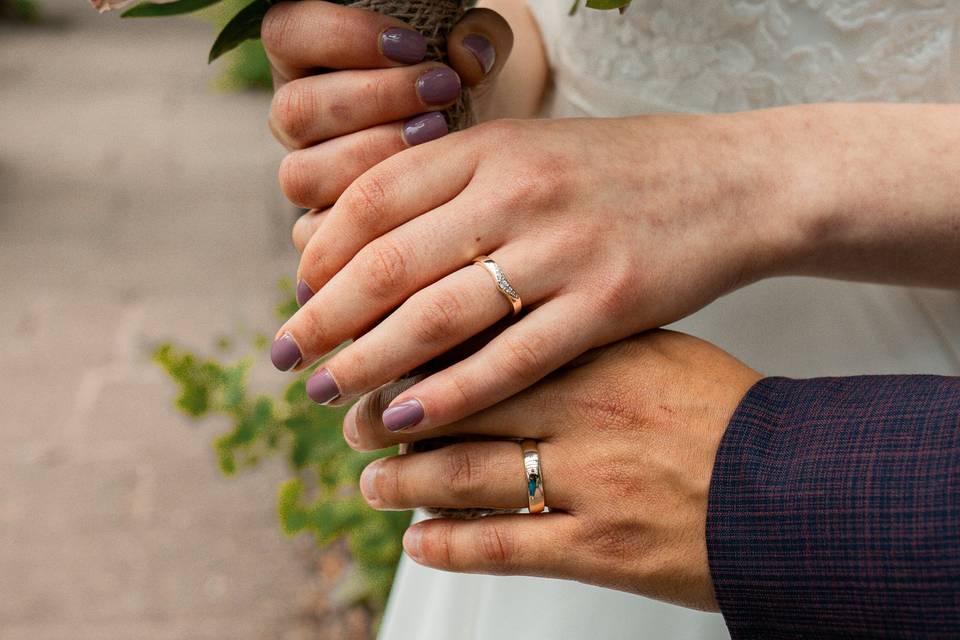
x: 627, y: 439
x: 606, y: 227
x: 378, y: 95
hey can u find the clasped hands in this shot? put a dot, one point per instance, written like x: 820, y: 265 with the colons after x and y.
x: 607, y: 227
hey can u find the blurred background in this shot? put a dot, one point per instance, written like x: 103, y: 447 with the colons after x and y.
x: 142, y: 237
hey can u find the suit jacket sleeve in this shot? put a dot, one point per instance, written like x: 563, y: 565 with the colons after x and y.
x: 834, y: 509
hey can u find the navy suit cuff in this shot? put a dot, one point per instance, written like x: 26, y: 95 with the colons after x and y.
x: 834, y: 509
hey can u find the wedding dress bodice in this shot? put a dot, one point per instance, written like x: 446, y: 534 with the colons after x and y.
x: 733, y: 55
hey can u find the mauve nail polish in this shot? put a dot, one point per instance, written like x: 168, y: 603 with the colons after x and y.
x: 285, y: 353
x: 403, y: 45
x: 403, y: 415
x: 304, y: 293
x: 482, y: 49
x: 322, y: 388
x: 425, y: 128
x: 438, y: 86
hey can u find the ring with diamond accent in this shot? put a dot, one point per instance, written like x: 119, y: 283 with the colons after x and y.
x: 502, y: 283
x: 531, y: 470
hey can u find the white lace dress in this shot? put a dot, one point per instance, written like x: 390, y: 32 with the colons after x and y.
x: 710, y: 56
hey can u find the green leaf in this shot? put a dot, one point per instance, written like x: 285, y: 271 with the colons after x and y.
x: 322, y: 498
x: 243, y: 26
x: 607, y: 4
x: 156, y: 9
x: 601, y: 4
x: 288, y: 306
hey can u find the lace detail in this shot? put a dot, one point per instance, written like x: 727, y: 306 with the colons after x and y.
x: 732, y: 55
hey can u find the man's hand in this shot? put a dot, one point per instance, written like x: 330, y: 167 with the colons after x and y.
x: 627, y: 439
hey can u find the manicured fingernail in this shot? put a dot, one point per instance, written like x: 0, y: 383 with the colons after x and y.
x: 482, y: 49
x: 322, y: 388
x: 403, y: 45
x: 425, y: 128
x: 368, y: 481
x: 411, y: 542
x: 438, y: 86
x: 304, y: 293
x: 403, y: 415
x: 285, y: 353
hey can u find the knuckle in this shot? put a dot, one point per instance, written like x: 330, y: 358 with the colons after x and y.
x: 437, y: 545
x: 280, y: 28
x: 461, y: 388
x: 366, y: 199
x: 313, y: 262
x: 612, y: 410
x: 384, y: 268
x: 539, y: 184
x: 462, y: 471
x: 619, y: 479
x: 438, y: 316
x: 381, y: 94
x: 360, y: 374
x: 615, y: 291
x: 311, y: 325
x: 497, y: 547
x: 370, y: 149
x: 524, y: 357
x: 295, y: 180
x: 295, y: 110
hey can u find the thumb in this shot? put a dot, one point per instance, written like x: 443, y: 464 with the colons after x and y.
x: 478, y: 46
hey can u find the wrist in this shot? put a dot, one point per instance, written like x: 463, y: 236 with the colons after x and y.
x: 767, y: 190
x: 795, y: 200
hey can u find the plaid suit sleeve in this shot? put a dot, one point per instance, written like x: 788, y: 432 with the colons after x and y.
x: 834, y: 509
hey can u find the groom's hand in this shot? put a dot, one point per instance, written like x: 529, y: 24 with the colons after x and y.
x: 627, y: 437
x: 379, y: 97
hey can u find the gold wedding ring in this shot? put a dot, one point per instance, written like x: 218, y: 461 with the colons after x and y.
x: 531, y: 470
x: 501, y: 280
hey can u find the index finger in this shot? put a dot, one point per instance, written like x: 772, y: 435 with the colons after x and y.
x: 300, y: 37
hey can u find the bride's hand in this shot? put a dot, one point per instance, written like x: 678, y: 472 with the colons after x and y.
x: 605, y: 227
x: 627, y: 445
x: 378, y: 98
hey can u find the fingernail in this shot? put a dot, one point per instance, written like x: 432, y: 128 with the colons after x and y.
x: 350, y: 431
x: 425, y: 128
x: 403, y: 415
x: 438, y: 86
x: 482, y: 49
x: 322, y: 388
x: 285, y: 353
x: 304, y: 293
x: 411, y: 542
x: 403, y: 45
x: 367, y: 481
